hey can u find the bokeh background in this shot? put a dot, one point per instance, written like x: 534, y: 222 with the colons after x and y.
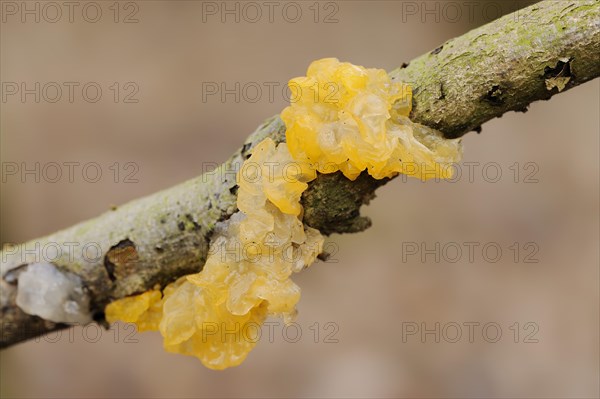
x: 374, y: 289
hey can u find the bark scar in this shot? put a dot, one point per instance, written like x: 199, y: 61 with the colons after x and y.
x: 121, y: 259
x: 437, y: 50
x: 558, y: 76
x: 494, y: 96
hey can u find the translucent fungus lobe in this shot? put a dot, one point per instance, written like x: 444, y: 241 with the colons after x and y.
x: 342, y: 117
x: 349, y: 118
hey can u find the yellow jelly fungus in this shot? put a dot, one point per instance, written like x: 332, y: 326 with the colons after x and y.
x: 215, y: 314
x: 342, y: 117
x: 145, y: 310
x: 349, y: 118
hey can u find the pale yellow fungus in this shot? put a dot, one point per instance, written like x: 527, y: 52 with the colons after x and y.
x: 359, y: 122
x: 342, y: 117
x: 145, y: 310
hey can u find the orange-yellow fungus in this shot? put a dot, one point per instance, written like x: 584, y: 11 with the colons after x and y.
x: 342, y: 117
x: 349, y: 118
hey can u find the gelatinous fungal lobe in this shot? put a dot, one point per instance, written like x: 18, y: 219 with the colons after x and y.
x: 52, y: 294
x: 342, y: 117
x: 349, y: 118
x: 212, y: 314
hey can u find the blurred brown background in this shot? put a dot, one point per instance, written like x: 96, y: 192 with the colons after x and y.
x: 376, y: 289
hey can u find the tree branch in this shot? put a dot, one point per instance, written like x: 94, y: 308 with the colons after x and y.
x: 505, y: 65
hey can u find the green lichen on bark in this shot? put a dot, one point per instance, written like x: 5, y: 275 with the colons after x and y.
x: 499, y: 67
x: 504, y: 66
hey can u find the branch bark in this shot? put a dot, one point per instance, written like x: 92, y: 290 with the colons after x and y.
x: 503, y: 66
